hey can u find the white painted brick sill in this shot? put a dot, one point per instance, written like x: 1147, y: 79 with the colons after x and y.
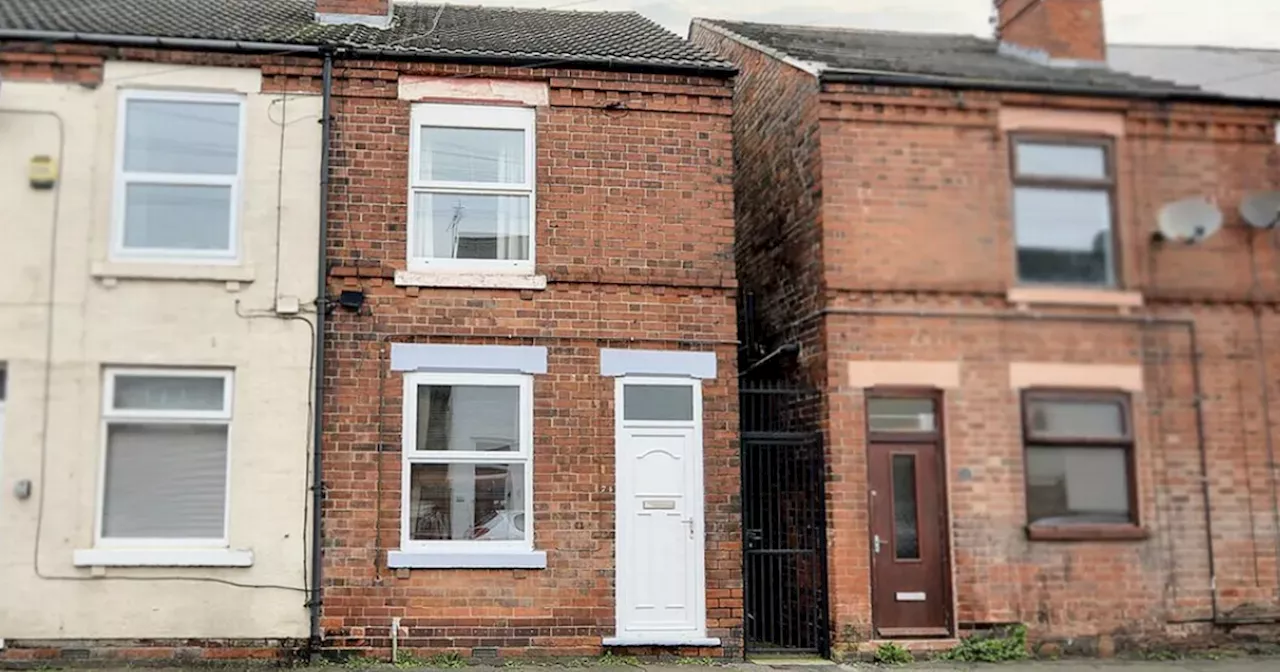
x: 458, y: 560
x: 162, y: 557
x: 469, y: 280
x: 166, y: 270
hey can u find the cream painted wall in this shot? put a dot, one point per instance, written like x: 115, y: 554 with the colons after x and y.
x: 104, y: 314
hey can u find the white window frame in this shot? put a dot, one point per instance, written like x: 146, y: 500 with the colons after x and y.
x: 124, y: 178
x: 411, y: 456
x: 111, y: 415
x: 427, y: 115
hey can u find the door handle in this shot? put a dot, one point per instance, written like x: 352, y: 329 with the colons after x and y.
x: 875, y: 544
x: 689, y: 522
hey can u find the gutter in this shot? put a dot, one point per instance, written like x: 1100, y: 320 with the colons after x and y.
x: 890, y: 78
x: 322, y: 306
x: 596, y: 62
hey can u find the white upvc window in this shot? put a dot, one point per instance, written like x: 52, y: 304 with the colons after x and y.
x: 179, y: 173
x: 471, y: 189
x: 467, y: 478
x: 165, y: 469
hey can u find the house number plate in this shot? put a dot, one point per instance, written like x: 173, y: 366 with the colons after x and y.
x: 662, y: 504
x: 911, y: 597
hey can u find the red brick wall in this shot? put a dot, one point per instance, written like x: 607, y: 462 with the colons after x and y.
x: 1132, y: 591
x: 634, y: 233
x: 915, y: 216
x: 778, y: 166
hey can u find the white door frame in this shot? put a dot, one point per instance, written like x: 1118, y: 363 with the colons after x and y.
x: 696, y: 509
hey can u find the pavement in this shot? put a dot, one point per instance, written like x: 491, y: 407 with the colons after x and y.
x: 1267, y: 664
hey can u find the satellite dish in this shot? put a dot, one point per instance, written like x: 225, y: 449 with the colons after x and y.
x: 1190, y: 220
x: 1261, y: 209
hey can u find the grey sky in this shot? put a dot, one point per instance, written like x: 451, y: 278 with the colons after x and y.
x: 1236, y: 23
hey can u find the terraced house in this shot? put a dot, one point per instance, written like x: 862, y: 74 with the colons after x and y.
x: 511, y: 231
x: 1045, y: 378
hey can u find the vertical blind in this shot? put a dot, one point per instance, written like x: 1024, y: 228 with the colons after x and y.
x: 165, y: 481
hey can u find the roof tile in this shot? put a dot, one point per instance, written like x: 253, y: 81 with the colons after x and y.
x: 957, y: 58
x: 460, y: 32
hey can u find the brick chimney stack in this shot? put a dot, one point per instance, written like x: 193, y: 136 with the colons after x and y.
x: 376, y: 13
x: 1063, y: 29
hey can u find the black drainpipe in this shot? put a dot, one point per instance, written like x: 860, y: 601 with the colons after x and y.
x: 322, y: 307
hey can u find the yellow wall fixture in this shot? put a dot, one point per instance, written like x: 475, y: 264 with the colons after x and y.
x: 43, y: 172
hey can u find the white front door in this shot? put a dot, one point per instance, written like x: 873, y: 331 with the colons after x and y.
x: 660, y: 575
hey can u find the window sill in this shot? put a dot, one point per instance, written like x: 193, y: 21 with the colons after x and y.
x: 161, y: 557
x: 130, y: 270
x: 1062, y: 296
x: 671, y: 640
x: 1087, y: 533
x: 456, y: 560
x: 470, y: 280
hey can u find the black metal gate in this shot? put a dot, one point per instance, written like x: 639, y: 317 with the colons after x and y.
x: 784, y: 520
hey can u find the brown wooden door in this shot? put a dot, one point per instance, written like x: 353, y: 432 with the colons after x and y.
x: 910, y: 589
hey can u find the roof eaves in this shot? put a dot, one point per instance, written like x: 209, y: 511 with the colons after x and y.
x: 814, y: 68
x: 891, y: 78
x: 155, y: 41
x: 681, y: 66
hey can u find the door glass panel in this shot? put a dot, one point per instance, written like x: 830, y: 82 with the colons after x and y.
x: 901, y: 415
x: 658, y: 402
x: 906, y: 527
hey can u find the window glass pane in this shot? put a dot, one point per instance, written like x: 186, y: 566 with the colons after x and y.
x: 1071, y: 161
x: 469, y: 226
x: 472, y: 155
x: 1064, y: 236
x: 657, y: 402
x: 1077, y: 485
x: 169, y: 393
x: 906, y: 528
x: 177, y: 217
x: 901, y: 415
x: 483, y: 502
x: 1081, y: 419
x: 165, y: 481
x: 180, y: 137
x: 468, y: 417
